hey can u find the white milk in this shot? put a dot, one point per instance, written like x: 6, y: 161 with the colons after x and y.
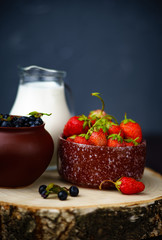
x: 46, y: 97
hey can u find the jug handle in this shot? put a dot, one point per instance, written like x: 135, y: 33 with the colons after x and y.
x: 70, y: 100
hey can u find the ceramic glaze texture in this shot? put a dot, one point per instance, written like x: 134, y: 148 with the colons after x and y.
x: 88, y: 165
x: 25, y: 153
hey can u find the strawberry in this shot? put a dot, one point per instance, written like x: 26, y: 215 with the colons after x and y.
x: 99, y: 113
x: 98, y: 139
x: 114, y: 128
x: 103, y: 131
x: 131, y: 129
x: 100, y: 126
x: 81, y: 139
x: 76, y: 125
x: 115, y: 140
x: 71, y: 138
x: 126, y: 185
x: 96, y: 114
x: 131, y: 142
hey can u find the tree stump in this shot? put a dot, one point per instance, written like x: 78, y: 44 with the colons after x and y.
x: 93, y: 215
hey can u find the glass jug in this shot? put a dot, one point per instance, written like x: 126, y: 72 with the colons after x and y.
x: 43, y: 90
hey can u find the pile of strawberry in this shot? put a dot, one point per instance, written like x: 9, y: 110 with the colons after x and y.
x: 102, y: 129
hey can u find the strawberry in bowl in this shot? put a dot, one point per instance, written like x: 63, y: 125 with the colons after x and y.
x: 98, y: 148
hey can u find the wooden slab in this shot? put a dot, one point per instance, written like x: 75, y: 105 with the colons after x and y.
x: 94, y: 214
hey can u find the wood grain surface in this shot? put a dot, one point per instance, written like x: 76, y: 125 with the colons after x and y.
x: 94, y: 214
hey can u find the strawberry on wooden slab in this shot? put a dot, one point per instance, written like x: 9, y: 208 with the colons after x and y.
x: 126, y: 185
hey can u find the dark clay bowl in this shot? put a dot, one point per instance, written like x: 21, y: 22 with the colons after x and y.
x: 25, y: 153
x: 88, y: 166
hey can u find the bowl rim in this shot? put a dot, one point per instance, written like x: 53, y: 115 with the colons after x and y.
x: 143, y: 143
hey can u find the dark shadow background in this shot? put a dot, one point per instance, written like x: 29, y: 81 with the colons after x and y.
x: 109, y: 46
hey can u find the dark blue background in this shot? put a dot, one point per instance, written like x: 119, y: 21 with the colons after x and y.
x: 109, y: 46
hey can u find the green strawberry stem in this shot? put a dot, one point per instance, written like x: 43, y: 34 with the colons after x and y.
x: 117, y: 184
x: 87, y: 121
x: 111, y: 117
x: 73, y: 137
x: 92, y: 128
x: 126, y: 120
x: 100, y: 123
x: 38, y: 114
x: 98, y: 95
x: 128, y: 140
x: 117, y: 137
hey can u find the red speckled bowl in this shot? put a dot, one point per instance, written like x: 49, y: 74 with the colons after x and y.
x: 88, y: 166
